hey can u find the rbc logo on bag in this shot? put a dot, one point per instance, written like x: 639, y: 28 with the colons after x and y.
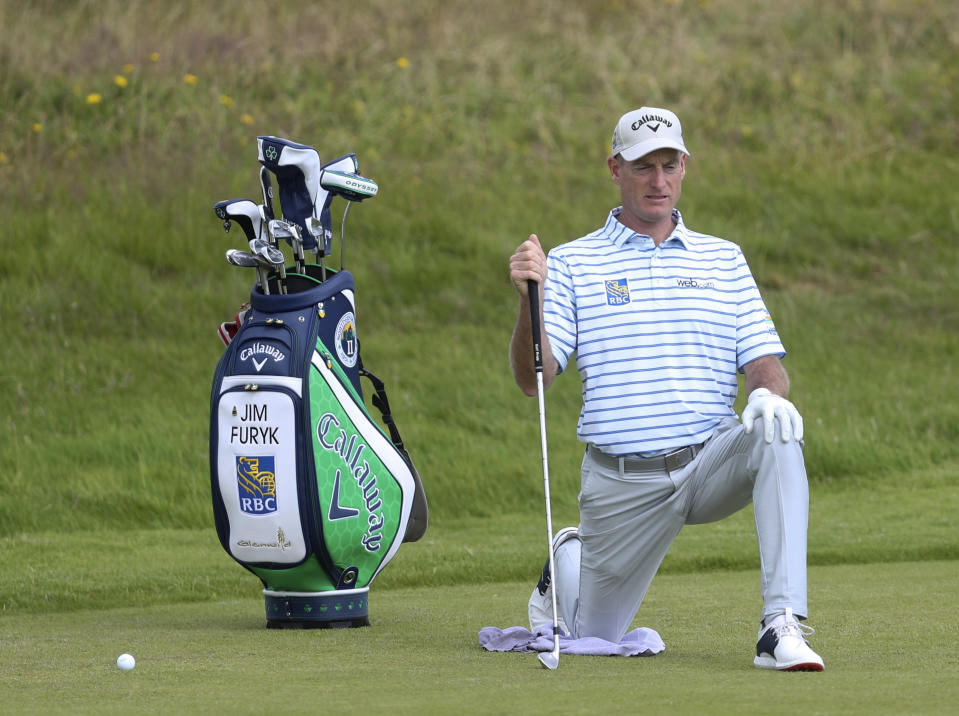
x: 617, y: 292
x: 256, y: 480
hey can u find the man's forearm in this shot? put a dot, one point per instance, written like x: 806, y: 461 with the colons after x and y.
x: 521, y: 353
x: 767, y: 372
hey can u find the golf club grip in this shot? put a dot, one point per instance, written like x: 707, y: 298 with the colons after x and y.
x: 534, y: 323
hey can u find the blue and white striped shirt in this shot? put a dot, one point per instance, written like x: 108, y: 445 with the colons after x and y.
x: 659, y: 333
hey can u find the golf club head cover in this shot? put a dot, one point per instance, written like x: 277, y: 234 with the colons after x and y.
x: 243, y: 212
x: 297, y: 169
x: 309, y: 492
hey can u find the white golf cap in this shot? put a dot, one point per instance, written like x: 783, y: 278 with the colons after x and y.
x: 645, y: 130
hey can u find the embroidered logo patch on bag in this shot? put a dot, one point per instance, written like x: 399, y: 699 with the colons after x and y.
x: 256, y: 480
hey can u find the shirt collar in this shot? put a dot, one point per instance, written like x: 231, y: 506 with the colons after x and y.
x: 619, y: 233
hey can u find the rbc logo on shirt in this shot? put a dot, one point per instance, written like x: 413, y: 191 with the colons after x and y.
x: 617, y: 292
x: 256, y: 480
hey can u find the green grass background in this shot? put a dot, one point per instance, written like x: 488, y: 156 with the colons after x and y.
x: 824, y: 141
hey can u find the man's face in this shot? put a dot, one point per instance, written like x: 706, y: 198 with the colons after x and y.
x: 651, y: 185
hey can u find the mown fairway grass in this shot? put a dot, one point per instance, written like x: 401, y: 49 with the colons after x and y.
x: 421, y: 655
x: 824, y: 143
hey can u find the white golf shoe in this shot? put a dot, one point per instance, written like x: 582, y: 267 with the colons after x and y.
x: 782, y: 645
x: 541, y: 600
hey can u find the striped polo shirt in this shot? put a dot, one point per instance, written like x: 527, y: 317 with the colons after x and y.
x: 659, y: 333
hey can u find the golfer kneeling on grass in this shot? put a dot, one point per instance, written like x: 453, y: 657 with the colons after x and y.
x: 661, y: 318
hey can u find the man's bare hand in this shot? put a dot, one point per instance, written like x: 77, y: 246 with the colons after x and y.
x: 528, y: 262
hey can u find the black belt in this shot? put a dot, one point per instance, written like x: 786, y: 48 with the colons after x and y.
x: 670, y: 462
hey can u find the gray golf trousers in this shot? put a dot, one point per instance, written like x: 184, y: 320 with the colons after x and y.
x: 628, y: 522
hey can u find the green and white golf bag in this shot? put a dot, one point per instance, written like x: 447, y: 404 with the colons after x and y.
x: 309, y: 492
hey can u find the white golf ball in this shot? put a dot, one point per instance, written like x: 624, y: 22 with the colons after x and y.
x: 126, y: 662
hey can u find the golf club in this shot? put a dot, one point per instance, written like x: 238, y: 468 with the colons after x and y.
x: 289, y: 232
x: 549, y: 660
x: 349, y: 185
x: 271, y: 257
x: 236, y: 257
x: 346, y: 211
x: 267, y: 186
x: 346, y: 164
x: 316, y: 228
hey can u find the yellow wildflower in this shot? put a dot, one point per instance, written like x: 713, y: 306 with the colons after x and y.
x: 226, y: 100
x: 190, y: 79
x: 154, y: 57
x: 4, y: 159
x: 402, y: 63
x: 120, y: 81
x: 128, y: 69
x: 94, y: 98
x: 37, y: 127
x: 247, y: 119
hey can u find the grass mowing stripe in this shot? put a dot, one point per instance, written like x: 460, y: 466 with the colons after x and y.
x: 886, y: 633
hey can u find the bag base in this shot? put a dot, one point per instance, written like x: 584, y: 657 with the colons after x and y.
x: 335, y: 609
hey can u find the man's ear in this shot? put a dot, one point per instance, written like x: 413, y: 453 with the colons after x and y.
x: 682, y: 164
x: 614, y: 168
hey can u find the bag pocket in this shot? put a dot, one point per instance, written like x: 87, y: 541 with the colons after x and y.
x: 265, y: 348
x: 258, y: 453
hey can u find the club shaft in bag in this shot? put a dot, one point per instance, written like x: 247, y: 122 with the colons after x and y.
x: 549, y: 660
x: 266, y: 185
x: 343, y: 235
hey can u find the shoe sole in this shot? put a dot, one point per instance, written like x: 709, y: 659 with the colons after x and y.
x: 769, y: 663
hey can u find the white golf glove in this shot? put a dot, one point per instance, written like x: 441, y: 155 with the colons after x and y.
x: 766, y: 405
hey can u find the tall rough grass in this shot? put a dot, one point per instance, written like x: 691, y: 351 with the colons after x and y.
x: 824, y: 142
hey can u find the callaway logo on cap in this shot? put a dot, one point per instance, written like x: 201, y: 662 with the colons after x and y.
x: 645, y: 130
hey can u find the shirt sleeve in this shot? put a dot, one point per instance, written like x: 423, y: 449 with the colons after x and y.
x: 756, y: 334
x: 559, y: 310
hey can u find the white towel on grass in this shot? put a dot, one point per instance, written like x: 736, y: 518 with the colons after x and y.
x: 638, y: 642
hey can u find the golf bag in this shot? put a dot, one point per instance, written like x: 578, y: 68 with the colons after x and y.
x: 309, y: 493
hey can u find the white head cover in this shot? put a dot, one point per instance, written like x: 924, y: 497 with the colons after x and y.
x: 645, y: 130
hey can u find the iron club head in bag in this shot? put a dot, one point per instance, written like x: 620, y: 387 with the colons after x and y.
x: 315, y: 227
x: 289, y: 232
x: 237, y: 257
x: 270, y: 257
